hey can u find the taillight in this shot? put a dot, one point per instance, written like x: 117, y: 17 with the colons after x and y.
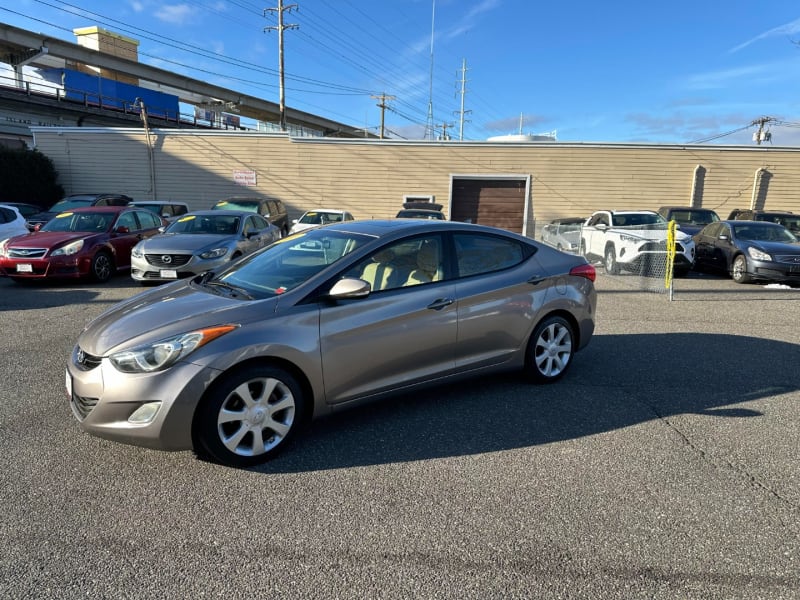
x: 586, y: 270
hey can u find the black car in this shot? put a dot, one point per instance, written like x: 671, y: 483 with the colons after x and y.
x: 421, y: 210
x: 786, y: 218
x: 691, y: 219
x: 749, y: 251
x: 274, y: 210
x: 77, y: 201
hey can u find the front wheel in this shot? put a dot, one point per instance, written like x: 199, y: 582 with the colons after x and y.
x: 611, y: 264
x: 550, y: 350
x: 248, y: 416
x: 102, y: 266
x: 739, y: 270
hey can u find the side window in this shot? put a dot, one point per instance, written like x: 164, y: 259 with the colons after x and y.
x: 268, y: 208
x: 128, y: 220
x: 148, y: 220
x: 102, y: 202
x: 260, y: 222
x: 6, y: 216
x: 406, y: 263
x: 179, y: 209
x: 477, y: 253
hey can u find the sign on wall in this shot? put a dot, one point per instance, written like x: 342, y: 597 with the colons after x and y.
x: 246, y: 178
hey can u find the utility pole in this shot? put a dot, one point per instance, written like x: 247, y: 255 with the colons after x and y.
x: 444, y: 127
x: 382, y: 105
x: 279, y: 28
x: 463, y: 93
x: 761, y: 135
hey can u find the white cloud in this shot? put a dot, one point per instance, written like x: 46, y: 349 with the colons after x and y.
x: 786, y: 29
x: 177, y: 14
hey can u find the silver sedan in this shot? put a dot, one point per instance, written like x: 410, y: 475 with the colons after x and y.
x: 230, y: 364
x: 198, y: 242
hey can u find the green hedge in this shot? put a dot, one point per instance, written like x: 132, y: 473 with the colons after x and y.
x: 28, y: 176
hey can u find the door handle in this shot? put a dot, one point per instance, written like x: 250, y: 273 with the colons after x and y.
x: 440, y: 303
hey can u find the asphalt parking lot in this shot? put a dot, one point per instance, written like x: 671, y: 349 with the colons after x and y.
x: 665, y: 465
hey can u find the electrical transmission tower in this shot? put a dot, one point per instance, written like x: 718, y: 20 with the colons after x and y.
x: 279, y: 10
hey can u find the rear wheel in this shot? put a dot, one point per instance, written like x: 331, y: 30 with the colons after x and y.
x: 249, y: 415
x: 610, y: 263
x: 550, y: 350
x: 739, y: 270
x: 102, y: 266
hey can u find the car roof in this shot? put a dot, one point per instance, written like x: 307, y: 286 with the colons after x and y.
x: 751, y: 222
x: 330, y: 210
x: 151, y: 202
x: 219, y: 213
x: 97, y: 209
x: 398, y: 227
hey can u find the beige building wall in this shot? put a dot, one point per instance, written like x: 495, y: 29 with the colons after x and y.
x: 371, y: 177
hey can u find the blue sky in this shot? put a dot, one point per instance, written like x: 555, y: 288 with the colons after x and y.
x: 614, y: 71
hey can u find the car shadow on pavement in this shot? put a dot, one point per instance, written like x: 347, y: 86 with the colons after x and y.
x: 618, y: 381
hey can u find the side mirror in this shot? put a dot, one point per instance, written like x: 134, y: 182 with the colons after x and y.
x: 122, y: 229
x: 349, y: 287
x: 602, y: 226
x: 294, y: 221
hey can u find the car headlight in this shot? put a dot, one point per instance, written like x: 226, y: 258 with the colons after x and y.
x: 629, y: 238
x: 165, y: 353
x: 136, y: 251
x: 69, y: 249
x: 4, y: 249
x: 758, y: 254
x: 215, y: 253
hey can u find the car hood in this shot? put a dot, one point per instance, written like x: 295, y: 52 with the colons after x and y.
x: 48, y: 239
x: 185, y: 242
x: 776, y: 247
x: 164, y: 312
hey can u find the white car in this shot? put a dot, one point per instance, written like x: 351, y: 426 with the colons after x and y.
x: 11, y: 222
x: 631, y: 239
x: 320, y: 216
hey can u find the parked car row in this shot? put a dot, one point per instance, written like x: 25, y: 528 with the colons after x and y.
x: 750, y: 245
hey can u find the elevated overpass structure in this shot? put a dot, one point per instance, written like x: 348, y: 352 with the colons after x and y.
x: 24, y: 103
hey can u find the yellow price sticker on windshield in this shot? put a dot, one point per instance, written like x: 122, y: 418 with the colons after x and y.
x: 189, y: 218
x: 66, y: 214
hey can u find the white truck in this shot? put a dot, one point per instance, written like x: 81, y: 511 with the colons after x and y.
x: 633, y: 240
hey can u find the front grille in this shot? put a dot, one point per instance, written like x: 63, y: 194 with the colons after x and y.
x: 82, y: 405
x: 85, y: 361
x: 26, y: 252
x: 659, y: 247
x: 167, y: 261
x: 791, y: 259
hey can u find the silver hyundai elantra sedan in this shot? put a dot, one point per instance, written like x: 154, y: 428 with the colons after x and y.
x: 230, y: 364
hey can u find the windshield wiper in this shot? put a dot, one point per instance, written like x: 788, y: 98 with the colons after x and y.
x: 234, y: 289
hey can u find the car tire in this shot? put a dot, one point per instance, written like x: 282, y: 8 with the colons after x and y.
x: 610, y: 261
x: 248, y: 416
x: 550, y: 350
x: 739, y: 270
x: 102, y: 267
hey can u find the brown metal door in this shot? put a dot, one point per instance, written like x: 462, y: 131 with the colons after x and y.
x: 494, y: 202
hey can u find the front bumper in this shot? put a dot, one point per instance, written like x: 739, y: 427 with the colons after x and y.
x: 103, y: 399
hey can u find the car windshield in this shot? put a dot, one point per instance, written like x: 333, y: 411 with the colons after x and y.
x: 246, y: 205
x: 320, y: 218
x: 80, y: 221
x: 638, y: 220
x: 760, y: 233
x: 70, y: 203
x: 694, y: 217
x: 792, y: 223
x: 215, y: 224
x: 292, y: 261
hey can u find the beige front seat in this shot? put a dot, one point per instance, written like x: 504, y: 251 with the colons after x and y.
x: 427, y: 265
x: 380, y: 273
